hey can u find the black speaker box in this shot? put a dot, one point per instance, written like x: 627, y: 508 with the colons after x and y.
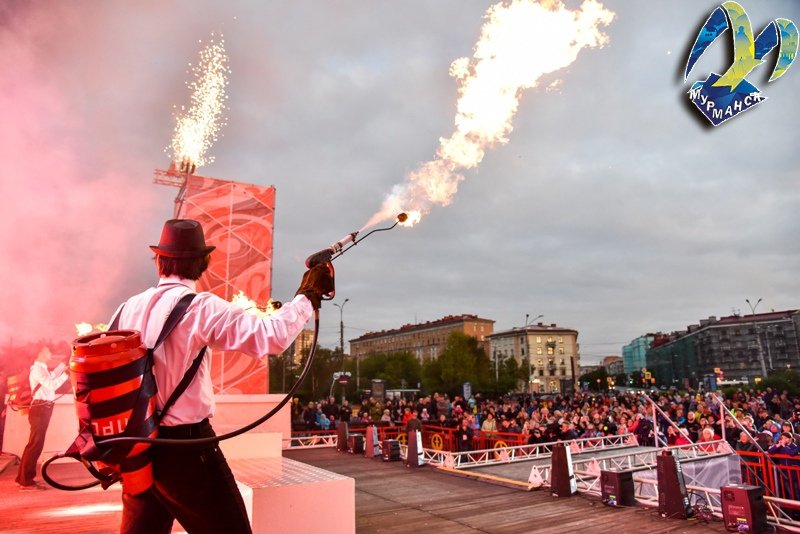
x: 673, y: 500
x: 562, y: 478
x: 341, y: 437
x: 617, y: 488
x: 355, y: 444
x: 390, y: 450
x: 743, y: 508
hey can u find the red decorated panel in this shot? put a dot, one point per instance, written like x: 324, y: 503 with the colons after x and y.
x: 238, y: 219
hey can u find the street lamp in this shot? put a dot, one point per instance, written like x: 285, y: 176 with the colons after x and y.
x: 528, y: 349
x: 341, y: 325
x: 535, y: 318
x: 758, y: 337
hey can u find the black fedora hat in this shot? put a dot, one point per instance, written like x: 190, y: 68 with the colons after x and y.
x: 182, y: 238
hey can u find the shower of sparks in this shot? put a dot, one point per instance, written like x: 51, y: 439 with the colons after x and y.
x: 521, y: 41
x: 198, y: 127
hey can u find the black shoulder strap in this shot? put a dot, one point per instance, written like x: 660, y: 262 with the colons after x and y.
x: 184, y: 383
x: 174, y: 318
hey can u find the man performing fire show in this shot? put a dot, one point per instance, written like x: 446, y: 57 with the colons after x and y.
x: 592, y: 192
x: 194, y: 484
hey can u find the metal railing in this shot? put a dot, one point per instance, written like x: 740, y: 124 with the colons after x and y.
x: 520, y: 453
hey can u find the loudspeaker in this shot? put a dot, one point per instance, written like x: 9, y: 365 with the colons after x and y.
x: 743, y: 508
x: 617, y: 488
x: 673, y: 500
x: 390, y: 450
x: 355, y: 444
x: 414, y: 454
x: 562, y: 478
x: 341, y: 437
x: 371, y: 447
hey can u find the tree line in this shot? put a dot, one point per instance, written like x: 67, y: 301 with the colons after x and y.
x: 462, y: 360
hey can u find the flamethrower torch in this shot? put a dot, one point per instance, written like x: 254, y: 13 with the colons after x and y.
x: 327, y: 255
x: 324, y: 256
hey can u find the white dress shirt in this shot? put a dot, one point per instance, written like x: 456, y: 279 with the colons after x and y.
x: 48, y: 381
x: 209, y: 321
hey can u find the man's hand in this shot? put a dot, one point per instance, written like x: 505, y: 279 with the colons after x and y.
x: 317, y: 282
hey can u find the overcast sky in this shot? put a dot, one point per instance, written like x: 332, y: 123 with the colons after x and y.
x: 612, y: 210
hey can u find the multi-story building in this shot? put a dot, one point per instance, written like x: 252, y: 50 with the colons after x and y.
x: 736, y: 347
x: 424, y: 340
x: 633, y: 354
x: 300, y: 346
x: 549, y: 351
x: 672, y: 360
x: 613, y: 365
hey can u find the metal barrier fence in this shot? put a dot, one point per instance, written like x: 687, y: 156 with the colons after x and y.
x: 500, y: 453
x: 779, y: 477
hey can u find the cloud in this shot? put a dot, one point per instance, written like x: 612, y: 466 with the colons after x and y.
x: 611, y: 210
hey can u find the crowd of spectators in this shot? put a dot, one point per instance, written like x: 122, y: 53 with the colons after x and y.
x: 771, y: 417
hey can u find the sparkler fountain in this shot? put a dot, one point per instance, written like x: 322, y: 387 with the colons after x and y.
x: 238, y: 218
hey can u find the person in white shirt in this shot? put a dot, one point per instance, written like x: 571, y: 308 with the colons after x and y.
x: 44, y: 384
x: 194, y: 484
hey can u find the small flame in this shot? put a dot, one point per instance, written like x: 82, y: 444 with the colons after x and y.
x: 520, y: 41
x: 84, y: 329
x: 250, y: 306
x: 196, y: 129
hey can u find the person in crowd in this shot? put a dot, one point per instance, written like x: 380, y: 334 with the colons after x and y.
x: 44, y: 384
x: 489, y: 424
x: 536, y: 436
x: 310, y: 416
x: 331, y: 408
x: 463, y: 435
x: 682, y: 437
x: 322, y: 421
x: 567, y: 431
x: 413, y: 422
x: 764, y: 439
x: 785, y: 445
x: 195, y: 484
x: 693, y: 426
x: 706, y: 436
x: 732, y: 432
x: 346, y: 412
x: 745, y: 444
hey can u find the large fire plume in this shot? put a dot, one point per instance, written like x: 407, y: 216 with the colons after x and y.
x: 197, y: 127
x: 520, y: 41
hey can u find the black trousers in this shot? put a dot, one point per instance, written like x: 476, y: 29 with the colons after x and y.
x: 192, y: 484
x: 39, y: 419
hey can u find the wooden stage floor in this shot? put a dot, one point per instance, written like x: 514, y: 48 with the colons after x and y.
x: 390, y: 498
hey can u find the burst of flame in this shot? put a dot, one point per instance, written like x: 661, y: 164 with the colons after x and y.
x: 197, y: 128
x: 84, y: 329
x: 250, y: 306
x: 413, y: 217
x: 520, y: 41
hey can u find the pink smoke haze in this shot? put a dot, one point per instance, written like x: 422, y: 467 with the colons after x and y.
x: 71, y: 228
